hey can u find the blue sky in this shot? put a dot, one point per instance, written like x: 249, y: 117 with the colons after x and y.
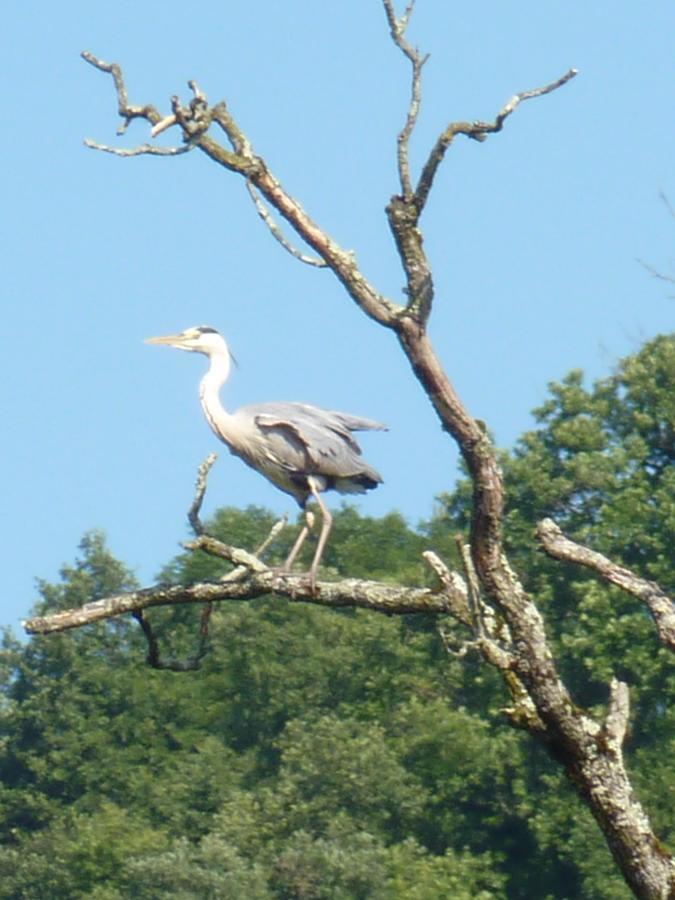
x: 534, y: 237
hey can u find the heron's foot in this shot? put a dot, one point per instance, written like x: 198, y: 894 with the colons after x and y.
x: 281, y: 570
x: 311, y: 576
x: 308, y: 577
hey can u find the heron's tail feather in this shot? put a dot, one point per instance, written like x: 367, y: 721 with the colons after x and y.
x: 356, y: 423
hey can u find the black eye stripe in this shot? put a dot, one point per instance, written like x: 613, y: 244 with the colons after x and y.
x: 206, y: 329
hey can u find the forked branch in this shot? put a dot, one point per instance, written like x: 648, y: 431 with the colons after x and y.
x: 194, y: 120
x: 397, y: 29
x: 660, y: 605
x: 126, y: 110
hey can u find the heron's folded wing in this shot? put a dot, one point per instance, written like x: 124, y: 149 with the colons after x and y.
x: 357, y: 423
x: 324, y: 442
x: 287, y: 431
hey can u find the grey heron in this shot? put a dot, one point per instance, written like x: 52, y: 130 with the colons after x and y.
x: 303, y: 450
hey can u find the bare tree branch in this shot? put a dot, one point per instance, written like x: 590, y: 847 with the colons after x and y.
x: 454, y: 586
x: 616, y: 721
x: 155, y: 658
x: 402, y: 213
x: 277, y: 234
x: 246, y: 563
x: 660, y: 605
x: 398, y: 28
x: 472, y: 582
x: 125, y: 109
x: 167, y: 122
x: 384, y: 598
x: 663, y: 197
x: 200, y: 490
x: 141, y: 150
x: 194, y: 120
x: 275, y: 531
x: 653, y: 271
x: 235, y: 555
x: 491, y: 638
x: 478, y: 131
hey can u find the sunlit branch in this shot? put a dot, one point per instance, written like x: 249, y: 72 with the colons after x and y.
x: 616, y: 720
x: 397, y: 28
x: 277, y: 234
x: 660, y: 605
x: 376, y: 596
x: 200, y: 490
x: 125, y: 109
x: 141, y: 150
x: 195, y: 120
x: 478, y: 131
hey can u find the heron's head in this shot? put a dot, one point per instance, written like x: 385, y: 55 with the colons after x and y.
x: 200, y: 339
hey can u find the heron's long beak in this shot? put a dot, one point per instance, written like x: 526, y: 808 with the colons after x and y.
x: 171, y: 340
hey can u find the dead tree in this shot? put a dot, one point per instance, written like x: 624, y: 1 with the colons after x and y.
x: 489, y: 600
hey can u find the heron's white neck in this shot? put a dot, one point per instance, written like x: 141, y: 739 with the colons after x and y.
x: 209, y: 394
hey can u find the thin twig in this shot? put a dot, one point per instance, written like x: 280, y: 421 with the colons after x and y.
x: 654, y: 272
x: 235, y: 555
x: 242, y: 571
x: 397, y: 28
x: 192, y: 663
x: 663, y: 197
x: 276, y: 232
x: 616, y: 721
x: 466, y: 606
x: 194, y: 122
x: 660, y: 605
x: 125, y: 109
x: 275, y: 531
x: 143, y: 149
x: 453, y: 585
x: 517, y: 99
x: 200, y: 490
x: 474, y: 587
x: 167, y: 122
x: 478, y: 131
x: 157, y: 661
x: 245, y: 562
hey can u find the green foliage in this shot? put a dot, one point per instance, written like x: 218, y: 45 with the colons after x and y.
x: 324, y: 754
x: 212, y: 868
x: 332, y: 764
x: 78, y: 852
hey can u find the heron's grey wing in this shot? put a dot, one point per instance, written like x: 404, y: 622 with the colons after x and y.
x: 285, y: 434
x: 289, y: 438
x: 327, y: 445
x: 356, y: 423
x: 313, y: 420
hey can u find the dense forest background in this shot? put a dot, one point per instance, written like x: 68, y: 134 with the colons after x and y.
x: 324, y: 754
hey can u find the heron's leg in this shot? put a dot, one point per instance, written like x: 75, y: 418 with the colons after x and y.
x: 326, y: 524
x: 299, y: 541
